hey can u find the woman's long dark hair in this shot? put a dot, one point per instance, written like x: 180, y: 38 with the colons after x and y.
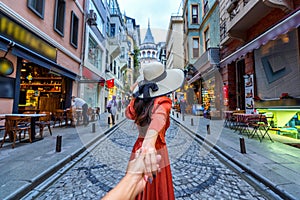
x: 143, y: 110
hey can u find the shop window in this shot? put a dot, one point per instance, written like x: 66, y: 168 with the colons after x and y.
x: 129, y: 62
x: 206, y: 39
x: 100, y: 24
x: 115, y: 67
x: 59, y: 17
x: 7, y: 87
x: 37, y: 6
x: 74, y: 30
x: 95, y: 53
x: 195, y: 14
x: 112, y: 30
x: 205, y: 7
x: 106, y: 57
x: 107, y: 27
x: 99, y: 20
x: 195, y: 47
x: 122, y: 56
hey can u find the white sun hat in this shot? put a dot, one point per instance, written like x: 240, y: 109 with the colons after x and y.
x: 156, y: 81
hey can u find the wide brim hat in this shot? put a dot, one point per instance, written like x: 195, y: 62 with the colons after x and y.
x: 155, y: 81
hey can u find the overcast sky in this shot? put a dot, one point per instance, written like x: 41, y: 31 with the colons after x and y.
x: 157, y: 11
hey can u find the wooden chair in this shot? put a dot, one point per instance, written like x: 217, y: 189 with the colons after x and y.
x: 91, y: 114
x: 59, y: 116
x: 260, y: 127
x: 2, y: 123
x: 44, y: 121
x: 16, y: 125
x: 70, y: 117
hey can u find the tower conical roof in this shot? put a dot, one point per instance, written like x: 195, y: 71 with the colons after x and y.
x: 148, y: 37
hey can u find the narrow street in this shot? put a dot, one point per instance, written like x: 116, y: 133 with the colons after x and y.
x: 196, y: 173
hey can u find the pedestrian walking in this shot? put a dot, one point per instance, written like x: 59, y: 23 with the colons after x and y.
x: 112, y: 108
x: 98, y: 113
x: 150, y: 110
x: 80, y: 103
x: 182, y: 106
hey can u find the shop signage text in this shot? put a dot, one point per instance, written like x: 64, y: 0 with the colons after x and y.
x: 19, y: 34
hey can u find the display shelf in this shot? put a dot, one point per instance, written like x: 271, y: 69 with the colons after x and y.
x: 43, y: 78
x: 27, y: 84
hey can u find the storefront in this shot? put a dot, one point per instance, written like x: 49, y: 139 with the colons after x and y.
x: 208, y: 95
x: 274, y: 67
x: 277, y: 77
x: 212, y: 94
x: 42, y: 89
x: 38, y: 82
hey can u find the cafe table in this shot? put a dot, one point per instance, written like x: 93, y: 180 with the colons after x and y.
x: 242, y: 120
x: 228, y: 118
x: 33, y: 119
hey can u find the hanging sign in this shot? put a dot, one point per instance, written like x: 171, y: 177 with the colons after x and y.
x: 6, y: 67
x: 249, y: 93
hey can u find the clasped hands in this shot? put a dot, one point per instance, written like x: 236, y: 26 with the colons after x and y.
x: 145, y: 166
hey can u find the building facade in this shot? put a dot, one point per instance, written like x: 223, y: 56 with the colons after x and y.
x: 117, y: 52
x: 260, y: 57
x: 94, y: 54
x: 42, y: 44
x: 133, y: 38
x: 201, y: 55
x: 174, y: 43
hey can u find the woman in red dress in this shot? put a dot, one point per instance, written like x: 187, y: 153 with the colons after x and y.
x: 150, y: 110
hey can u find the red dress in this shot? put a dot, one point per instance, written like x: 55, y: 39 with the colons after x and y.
x: 162, y: 186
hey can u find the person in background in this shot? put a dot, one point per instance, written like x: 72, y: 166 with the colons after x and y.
x: 119, y: 103
x: 182, y: 105
x: 112, y: 108
x: 98, y: 112
x: 80, y: 103
x: 150, y: 110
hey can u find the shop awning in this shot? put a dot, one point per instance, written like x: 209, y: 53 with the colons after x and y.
x: 291, y: 22
x: 23, y: 52
x: 207, y: 62
x: 93, y: 77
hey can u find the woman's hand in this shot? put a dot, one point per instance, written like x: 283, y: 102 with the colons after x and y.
x: 150, y: 160
x: 134, y: 181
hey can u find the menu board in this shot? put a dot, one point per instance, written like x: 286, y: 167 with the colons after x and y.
x: 249, y: 93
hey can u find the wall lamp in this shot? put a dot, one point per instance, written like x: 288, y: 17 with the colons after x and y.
x: 6, y: 66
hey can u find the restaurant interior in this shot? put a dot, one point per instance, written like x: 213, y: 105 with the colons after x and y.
x: 41, y: 89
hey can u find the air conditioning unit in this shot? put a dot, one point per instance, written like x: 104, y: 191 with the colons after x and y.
x: 92, y: 18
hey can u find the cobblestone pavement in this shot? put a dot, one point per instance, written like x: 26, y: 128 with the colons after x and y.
x: 197, y: 174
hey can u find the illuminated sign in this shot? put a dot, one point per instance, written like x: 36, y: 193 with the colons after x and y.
x: 6, y: 67
x: 19, y: 34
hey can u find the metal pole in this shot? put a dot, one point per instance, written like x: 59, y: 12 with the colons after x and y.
x: 242, y: 145
x: 192, y: 121
x: 58, y: 143
x: 93, y: 127
x: 208, y: 129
